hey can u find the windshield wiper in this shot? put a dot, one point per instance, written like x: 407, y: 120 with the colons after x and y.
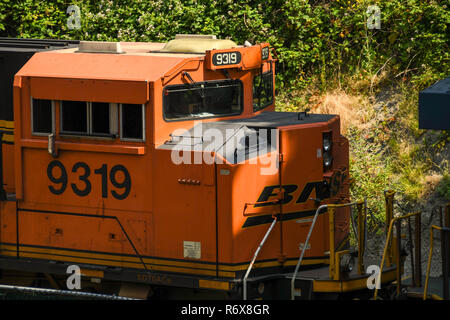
x: 195, y: 84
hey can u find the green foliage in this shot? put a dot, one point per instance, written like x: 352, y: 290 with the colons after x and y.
x: 320, y: 38
x: 371, y: 176
x: 444, y: 186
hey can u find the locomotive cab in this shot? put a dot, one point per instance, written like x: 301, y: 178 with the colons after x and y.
x: 165, y: 164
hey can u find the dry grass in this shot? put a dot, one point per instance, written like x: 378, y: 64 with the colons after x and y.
x: 350, y: 108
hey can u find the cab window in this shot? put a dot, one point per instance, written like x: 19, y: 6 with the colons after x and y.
x: 203, y: 100
x: 74, y: 116
x: 132, y: 122
x: 262, y: 91
x: 88, y: 118
x: 42, y: 116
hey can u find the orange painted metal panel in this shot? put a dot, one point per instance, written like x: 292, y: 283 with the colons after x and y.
x: 114, y: 91
x: 89, y: 184
x: 8, y: 163
x: 185, y: 212
x: 238, y: 243
x: 8, y: 228
x: 247, y: 58
x: 95, y: 66
x: 90, y: 147
x: 59, y: 230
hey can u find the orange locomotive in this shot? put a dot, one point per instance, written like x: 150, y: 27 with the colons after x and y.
x: 109, y: 170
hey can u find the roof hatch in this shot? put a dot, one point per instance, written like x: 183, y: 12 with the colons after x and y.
x: 197, y: 43
x: 99, y: 47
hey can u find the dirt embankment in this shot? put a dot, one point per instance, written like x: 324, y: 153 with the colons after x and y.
x: 389, y: 151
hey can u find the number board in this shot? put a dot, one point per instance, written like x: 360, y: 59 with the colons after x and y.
x: 264, y: 53
x: 226, y: 58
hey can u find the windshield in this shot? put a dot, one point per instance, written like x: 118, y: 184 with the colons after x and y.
x: 203, y: 99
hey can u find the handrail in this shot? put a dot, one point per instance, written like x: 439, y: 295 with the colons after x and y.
x: 425, y: 291
x: 309, y: 235
x: 388, y: 237
x: 79, y: 294
x: 2, y: 191
x: 254, y: 257
x: 304, y: 248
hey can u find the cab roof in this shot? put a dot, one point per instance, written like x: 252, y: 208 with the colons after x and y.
x: 139, y: 61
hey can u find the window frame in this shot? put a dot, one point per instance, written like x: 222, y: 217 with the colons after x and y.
x: 122, y: 138
x: 273, y: 96
x: 209, y: 117
x: 61, y: 122
x: 42, y: 134
x: 113, y: 122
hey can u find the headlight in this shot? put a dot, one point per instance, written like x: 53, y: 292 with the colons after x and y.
x: 327, y: 159
x: 327, y: 151
x: 326, y: 143
x: 347, y: 263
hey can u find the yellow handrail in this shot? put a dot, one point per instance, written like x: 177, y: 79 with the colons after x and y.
x: 446, y: 223
x: 425, y: 291
x: 389, y: 198
x: 388, y: 237
x: 334, y: 256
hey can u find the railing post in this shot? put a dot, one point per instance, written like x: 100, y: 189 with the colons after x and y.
x: 447, y: 225
x: 389, y: 198
x: 418, y: 250
x: 445, y: 260
x: 361, y: 237
x: 2, y: 191
x: 331, y: 212
x: 398, y: 256
x: 430, y: 255
x: 412, y: 259
x: 386, y: 245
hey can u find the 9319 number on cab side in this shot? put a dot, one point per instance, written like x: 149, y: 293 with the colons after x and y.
x: 60, y: 181
x: 226, y: 58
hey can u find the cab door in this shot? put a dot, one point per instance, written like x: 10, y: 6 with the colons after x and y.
x: 301, y: 177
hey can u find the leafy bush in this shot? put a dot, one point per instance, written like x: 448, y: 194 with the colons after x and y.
x: 444, y: 186
x: 317, y: 43
x: 312, y: 38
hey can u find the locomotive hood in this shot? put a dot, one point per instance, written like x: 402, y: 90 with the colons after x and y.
x: 237, y: 140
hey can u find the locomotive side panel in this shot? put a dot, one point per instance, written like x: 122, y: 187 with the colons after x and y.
x: 184, y: 212
x: 90, y: 181
x: 83, y: 238
x: 242, y: 226
x: 8, y: 228
x: 8, y: 164
x: 89, y: 199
